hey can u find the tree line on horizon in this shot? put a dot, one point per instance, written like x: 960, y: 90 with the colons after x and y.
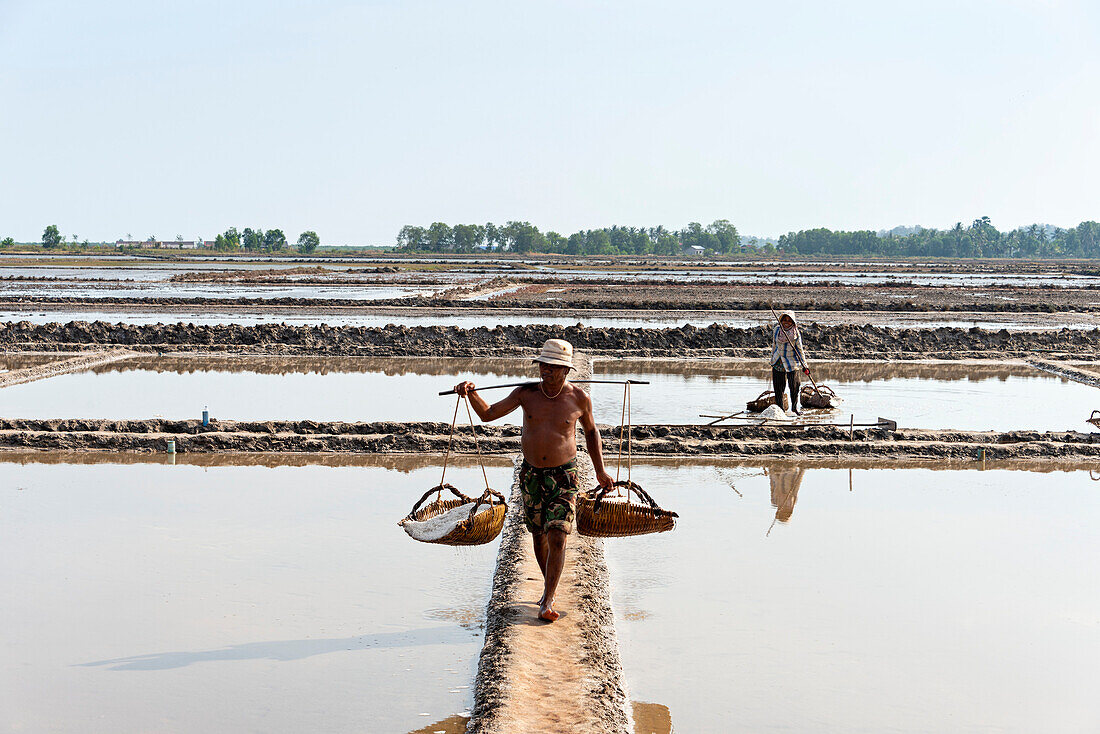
x: 251, y: 240
x: 257, y: 240
x: 979, y: 239
x: 523, y: 237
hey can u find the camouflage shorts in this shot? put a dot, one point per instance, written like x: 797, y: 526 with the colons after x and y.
x: 549, y: 496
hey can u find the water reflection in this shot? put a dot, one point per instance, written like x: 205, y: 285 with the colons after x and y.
x: 401, y: 463
x: 281, y: 650
x: 451, y: 725
x: 18, y: 361
x: 649, y: 718
x: 785, y: 482
x: 850, y: 371
x: 871, y: 595
x: 652, y: 718
x: 389, y: 366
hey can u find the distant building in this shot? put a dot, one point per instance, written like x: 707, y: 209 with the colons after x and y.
x: 694, y: 251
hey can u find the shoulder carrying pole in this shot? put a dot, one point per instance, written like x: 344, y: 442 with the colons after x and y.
x: 533, y: 384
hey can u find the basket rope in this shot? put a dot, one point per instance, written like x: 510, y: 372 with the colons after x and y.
x: 438, y: 492
x: 477, y: 445
x: 451, y: 435
x: 624, y: 423
x: 486, y: 498
x: 629, y: 486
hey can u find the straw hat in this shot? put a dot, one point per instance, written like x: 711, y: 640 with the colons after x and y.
x: 556, y: 352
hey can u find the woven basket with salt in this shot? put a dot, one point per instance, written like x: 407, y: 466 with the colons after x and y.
x: 819, y: 397
x: 766, y: 398
x: 463, y: 520
x: 460, y: 521
x: 601, y: 516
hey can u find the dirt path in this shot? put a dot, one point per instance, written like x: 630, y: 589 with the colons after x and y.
x: 560, y: 678
x: 62, y: 367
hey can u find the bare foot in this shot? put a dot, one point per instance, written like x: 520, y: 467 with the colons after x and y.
x: 546, y: 612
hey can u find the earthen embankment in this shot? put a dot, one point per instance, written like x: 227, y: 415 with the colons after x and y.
x: 307, y: 436
x: 841, y: 341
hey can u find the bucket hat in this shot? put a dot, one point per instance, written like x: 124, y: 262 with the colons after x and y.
x: 556, y: 352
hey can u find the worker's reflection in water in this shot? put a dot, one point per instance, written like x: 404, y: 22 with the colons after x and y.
x: 785, y: 481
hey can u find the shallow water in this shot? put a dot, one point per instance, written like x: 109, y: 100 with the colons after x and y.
x: 209, y: 290
x: 909, y: 601
x: 999, y: 397
x: 21, y: 361
x: 341, y: 389
x: 161, y: 272
x: 963, y: 397
x: 183, y: 598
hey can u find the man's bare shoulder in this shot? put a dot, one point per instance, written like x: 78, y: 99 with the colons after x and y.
x: 578, y: 393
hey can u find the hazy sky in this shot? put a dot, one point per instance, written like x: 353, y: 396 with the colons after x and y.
x: 353, y: 118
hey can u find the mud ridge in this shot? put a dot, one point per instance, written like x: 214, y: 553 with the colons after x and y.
x: 307, y: 436
x: 841, y: 341
x: 62, y: 367
x: 1085, y: 377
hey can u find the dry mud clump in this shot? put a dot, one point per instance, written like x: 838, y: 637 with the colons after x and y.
x: 843, y: 341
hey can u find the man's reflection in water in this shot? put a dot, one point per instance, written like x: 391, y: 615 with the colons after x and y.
x: 785, y: 481
x: 649, y: 718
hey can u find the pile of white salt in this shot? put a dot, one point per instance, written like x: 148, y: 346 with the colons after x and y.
x: 775, y: 413
x: 434, y: 528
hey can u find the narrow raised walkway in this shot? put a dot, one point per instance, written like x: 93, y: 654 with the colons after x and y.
x: 63, y: 366
x: 1085, y: 377
x: 563, y: 677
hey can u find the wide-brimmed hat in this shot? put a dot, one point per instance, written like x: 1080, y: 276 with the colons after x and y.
x: 556, y: 352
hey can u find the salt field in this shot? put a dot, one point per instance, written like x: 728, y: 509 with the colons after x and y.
x: 964, y: 397
x: 932, y: 396
x: 345, y: 389
x: 156, y: 597
x: 162, y: 290
x: 904, y: 600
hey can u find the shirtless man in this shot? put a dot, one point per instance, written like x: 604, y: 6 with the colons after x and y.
x: 548, y: 476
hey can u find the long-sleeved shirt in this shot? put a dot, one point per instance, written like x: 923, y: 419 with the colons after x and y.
x: 784, y: 356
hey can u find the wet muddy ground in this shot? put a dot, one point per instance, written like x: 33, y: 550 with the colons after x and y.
x: 822, y: 342
x: 205, y: 589
x: 906, y: 600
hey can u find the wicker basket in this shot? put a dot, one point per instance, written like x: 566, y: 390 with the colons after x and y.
x: 822, y: 397
x: 481, y: 528
x: 766, y: 398
x: 602, y: 517
x: 1094, y: 419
